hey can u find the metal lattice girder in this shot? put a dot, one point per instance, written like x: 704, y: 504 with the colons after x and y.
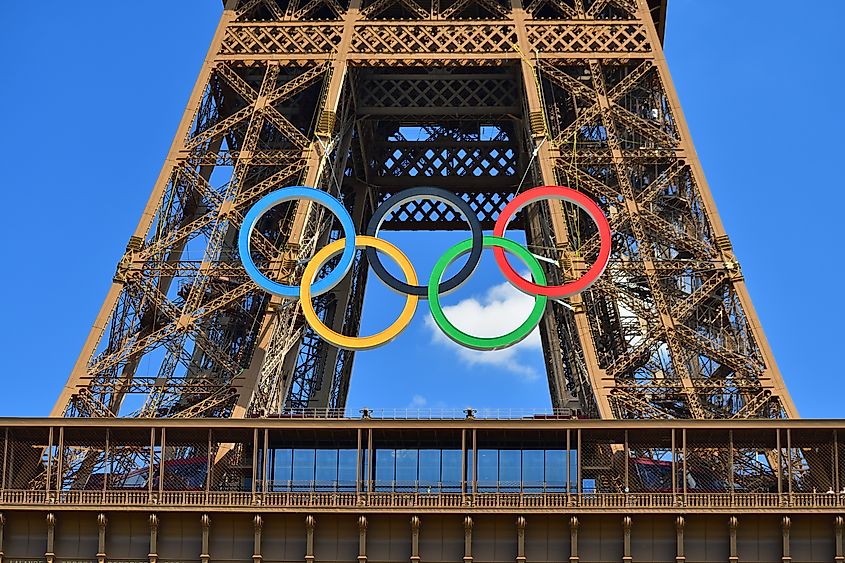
x: 483, y: 97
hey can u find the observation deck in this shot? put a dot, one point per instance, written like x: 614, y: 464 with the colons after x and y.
x: 382, y: 487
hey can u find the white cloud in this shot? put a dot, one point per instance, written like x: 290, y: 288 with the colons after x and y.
x: 417, y: 401
x: 500, y: 310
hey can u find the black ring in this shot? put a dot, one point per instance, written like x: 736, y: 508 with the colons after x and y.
x: 437, y: 194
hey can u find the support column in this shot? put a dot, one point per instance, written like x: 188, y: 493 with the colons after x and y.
x: 258, y: 525
x: 680, y: 524
x: 362, y: 539
x: 786, y: 524
x: 627, y: 522
x: 310, y: 523
x: 153, y: 555
x: 49, y: 555
x: 2, y: 526
x: 520, y: 539
x: 573, y: 540
x: 838, y: 525
x: 415, y: 539
x: 467, y: 539
x: 101, y: 537
x: 205, y: 521
x: 733, y: 524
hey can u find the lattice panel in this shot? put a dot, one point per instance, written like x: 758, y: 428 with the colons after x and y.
x: 427, y: 38
x: 426, y: 160
x: 465, y: 92
x: 591, y: 38
x: 255, y: 39
x: 425, y: 215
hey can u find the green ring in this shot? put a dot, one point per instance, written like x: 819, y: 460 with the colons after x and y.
x: 477, y: 342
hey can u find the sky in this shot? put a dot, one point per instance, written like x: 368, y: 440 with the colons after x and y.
x: 93, y: 96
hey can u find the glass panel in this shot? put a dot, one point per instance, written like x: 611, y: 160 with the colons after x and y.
x: 280, y: 470
x: 488, y: 471
x: 509, y: 470
x: 303, y: 469
x: 326, y: 474
x: 346, y: 474
x: 385, y: 469
x: 532, y: 471
x: 406, y: 469
x: 556, y: 471
x: 450, y: 475
x: 430, y: 471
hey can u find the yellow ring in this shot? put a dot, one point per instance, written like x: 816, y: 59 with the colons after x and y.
x: 357, y: 342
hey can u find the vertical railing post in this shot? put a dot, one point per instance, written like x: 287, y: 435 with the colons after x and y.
x: 836, y: 486
x: 779, y: 466
x: 359, y: 485
x: 162, y: 464
x: 60, y: 466
x: 568, y: 466
x: 151, y: 468
x: 789, y: 463
x: 474, y: 461
x: 265, y: 450
x: 254, y: 463
x: 627, y: 453
x: 463, y: 464
x: 579, y: 483
x: 49, y: 462
x: 5, y: 458
x: 684, y: 464
x: 370, y: 460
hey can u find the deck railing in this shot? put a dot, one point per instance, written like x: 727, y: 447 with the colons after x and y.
x: 335, y: 501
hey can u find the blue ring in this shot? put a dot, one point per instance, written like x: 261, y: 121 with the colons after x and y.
x: 281, y: 196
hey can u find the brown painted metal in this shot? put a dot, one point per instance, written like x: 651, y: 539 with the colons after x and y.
x: 318, y: 92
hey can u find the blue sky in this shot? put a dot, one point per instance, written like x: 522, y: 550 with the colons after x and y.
x: 760, y: 100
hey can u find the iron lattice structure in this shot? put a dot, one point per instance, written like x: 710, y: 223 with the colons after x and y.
x: 363, y: 98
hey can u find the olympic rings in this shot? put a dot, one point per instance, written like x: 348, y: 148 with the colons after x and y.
x: 308, y: 288
x: 361, y: 342
x: 288, y: 194
x: 436, y: 194
x: 478, y: 342
x: 564, y: 194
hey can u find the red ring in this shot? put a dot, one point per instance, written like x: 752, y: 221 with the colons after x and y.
x: 565, y: 194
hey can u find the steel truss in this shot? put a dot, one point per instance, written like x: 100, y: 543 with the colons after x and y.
x: 363, y: 98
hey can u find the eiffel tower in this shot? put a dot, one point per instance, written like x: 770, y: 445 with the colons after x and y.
x: 480, y: 97
x: 206, y: 420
